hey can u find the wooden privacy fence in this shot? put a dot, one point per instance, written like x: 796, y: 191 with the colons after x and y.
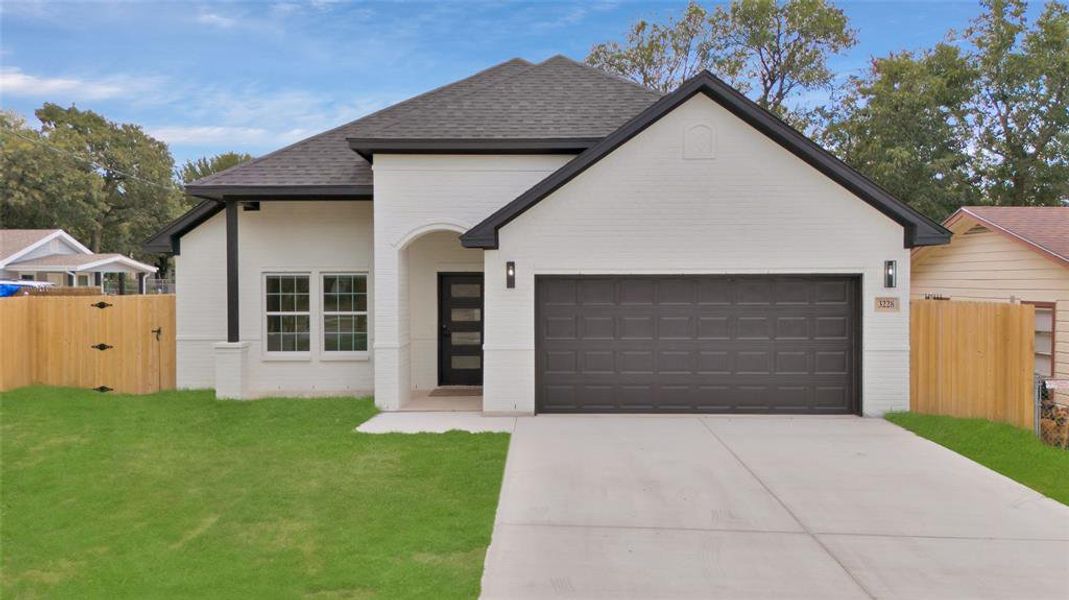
x: 120, y: 343
x: 972, y: 359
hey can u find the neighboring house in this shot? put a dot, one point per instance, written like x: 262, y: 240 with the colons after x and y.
x: 1007, y: 254
x: 55, y: 256
x: 570, y: 240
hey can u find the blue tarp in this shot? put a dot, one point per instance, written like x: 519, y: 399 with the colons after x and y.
x: 9, y: 289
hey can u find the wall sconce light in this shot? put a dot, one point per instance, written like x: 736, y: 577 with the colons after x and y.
x: 510, y: 274
x: 890, y: 274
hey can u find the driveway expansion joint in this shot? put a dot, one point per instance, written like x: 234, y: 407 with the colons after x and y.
x: 806, y: 529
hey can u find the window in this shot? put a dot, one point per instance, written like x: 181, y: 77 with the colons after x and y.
x: 344, y: 313
x: 288, y: 316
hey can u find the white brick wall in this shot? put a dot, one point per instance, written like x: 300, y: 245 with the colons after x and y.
x: 754, y: 208
x: 414, y: 197
x: 306, y: 237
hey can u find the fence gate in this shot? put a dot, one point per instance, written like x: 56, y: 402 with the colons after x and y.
x: 108, y: 343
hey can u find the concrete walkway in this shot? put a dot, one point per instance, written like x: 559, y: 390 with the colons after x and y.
x: 762, y: 507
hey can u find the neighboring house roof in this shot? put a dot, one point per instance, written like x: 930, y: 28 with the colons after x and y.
x: 515, y: 100
x: 105, y: 263
x: 1043, y: 229
x: 15, y: 243
x: 919, y: 230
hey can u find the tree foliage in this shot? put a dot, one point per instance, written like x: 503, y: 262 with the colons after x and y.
x: 1021, y: 108
x: 981, y: 120
x: 775, y: 49
x: 108, y: 184
x: 905, y: 125
x: 658, y: 56
x: 204, y: 166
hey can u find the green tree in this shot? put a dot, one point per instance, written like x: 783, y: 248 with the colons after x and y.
x: 1021, y: 110
x: 202, y: 167
x: 659, y: 56
x: 108, y: 184
x: 905, y: 125
x: 773, y: 50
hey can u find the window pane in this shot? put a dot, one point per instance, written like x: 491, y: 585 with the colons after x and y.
x: 302, y: 285
x: 303, y: 342
x: 361, y: 302
x: 302, y: 303
x: 466, y: 362
x: 360, y: 284
x: 272, y: 285
x: 330, y: 342
x: 330, y: 303
x: 361, y: 323
x: 272, y: 303
x: 466, y: 314
x: 274, y: 342
x: 287, y: 284
x: 464, y: 290
x: 466, y: 338
x: 361, y: 342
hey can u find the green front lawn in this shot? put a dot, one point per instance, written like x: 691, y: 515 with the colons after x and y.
x: 1016, y: 453
x: 179, y: 495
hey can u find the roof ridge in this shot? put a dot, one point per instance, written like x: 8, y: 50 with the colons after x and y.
x: 603, y: 73
x: 207, y: 180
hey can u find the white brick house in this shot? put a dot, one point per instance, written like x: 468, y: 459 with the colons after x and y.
x: 566, y: 240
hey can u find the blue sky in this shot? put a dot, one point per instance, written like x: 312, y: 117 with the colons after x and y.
x: 254, y: 76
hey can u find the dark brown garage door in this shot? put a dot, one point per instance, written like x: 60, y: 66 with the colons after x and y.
x: 717, y: 344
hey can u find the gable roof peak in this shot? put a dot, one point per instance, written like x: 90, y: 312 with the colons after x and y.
x: 918, y: 229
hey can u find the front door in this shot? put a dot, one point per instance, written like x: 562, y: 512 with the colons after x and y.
x: 460, y: 328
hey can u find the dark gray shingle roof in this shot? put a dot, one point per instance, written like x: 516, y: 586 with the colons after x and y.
x: 558, y: 98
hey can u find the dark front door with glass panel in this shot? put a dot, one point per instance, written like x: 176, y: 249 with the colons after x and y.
x: 460, y: 327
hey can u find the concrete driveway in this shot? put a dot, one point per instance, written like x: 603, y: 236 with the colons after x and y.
x: 762, y: 507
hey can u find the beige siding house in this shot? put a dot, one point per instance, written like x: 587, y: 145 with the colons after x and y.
x: 1007, y: 254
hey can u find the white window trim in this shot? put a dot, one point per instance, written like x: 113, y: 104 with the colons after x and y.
x: 283, y: 355
x: 333, y: 355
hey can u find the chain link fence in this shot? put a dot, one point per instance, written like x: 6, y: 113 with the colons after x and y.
x: 1052, y: 411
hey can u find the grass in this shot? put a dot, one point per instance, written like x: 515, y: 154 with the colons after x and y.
x: 1016, y: 453
x: 179, y: 495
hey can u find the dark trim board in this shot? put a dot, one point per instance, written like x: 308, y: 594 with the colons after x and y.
x: 368, y: 147
x: 672, y: 344
x: 281, y: 192
x: 919, y: 229
x: 233, y: 305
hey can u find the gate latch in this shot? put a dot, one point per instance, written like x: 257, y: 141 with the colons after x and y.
x: 158, y: 331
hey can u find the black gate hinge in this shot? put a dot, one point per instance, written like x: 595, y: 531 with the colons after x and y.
x: 103, y: 389
x: 101, y: 346
x: 101, y: 305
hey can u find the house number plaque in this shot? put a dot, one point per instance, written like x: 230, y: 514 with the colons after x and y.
x: 886, y: 304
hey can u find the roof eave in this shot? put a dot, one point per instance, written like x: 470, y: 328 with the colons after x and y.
x: 281, y: 192
x: 368, y: 147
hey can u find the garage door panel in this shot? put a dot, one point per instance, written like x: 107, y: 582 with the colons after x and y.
x: 696, y: 344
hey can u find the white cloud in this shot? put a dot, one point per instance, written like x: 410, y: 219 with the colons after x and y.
x: 14, y: 82
x: 216, y: 20
x: 249, y: 117
x: 227, y: 135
